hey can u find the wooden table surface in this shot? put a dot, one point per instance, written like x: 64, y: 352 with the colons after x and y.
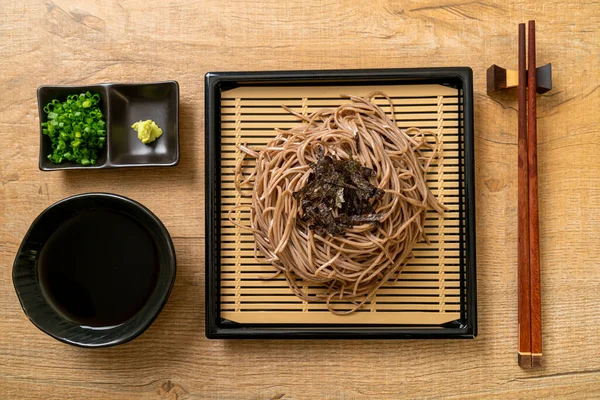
x: 78, y: 42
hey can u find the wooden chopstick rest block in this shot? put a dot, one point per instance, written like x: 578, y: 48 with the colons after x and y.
x: 499, y: 78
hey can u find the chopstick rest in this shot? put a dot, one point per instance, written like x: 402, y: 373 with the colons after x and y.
x: 499, y: 78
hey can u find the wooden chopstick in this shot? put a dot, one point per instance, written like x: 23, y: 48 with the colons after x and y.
x: 534, y: 245
x: 524, y: 290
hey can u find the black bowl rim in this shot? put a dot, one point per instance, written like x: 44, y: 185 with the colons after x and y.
x: 106, y: 86
x: 165, y: 296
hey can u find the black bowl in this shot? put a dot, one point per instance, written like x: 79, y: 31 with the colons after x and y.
x: 39, y: 309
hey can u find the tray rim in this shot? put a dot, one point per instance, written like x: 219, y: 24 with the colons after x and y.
x: 215, y: 326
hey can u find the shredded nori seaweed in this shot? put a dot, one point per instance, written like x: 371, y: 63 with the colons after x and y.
x: 342, y: 185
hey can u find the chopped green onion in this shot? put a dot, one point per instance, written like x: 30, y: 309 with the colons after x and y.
x: 76, y: 128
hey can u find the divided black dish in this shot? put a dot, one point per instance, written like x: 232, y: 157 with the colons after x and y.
x: 460, y: 78
x: 123, y: 105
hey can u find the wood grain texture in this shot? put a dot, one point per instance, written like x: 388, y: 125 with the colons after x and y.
x: 77, y: 41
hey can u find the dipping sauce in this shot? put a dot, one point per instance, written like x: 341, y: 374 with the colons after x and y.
x: 98, y: 268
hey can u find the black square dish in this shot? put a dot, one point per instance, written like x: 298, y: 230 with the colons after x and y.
x: 122, y: 106
x: 437, y: 296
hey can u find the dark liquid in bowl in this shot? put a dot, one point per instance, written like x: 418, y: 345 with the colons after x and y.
x: 99, y: 268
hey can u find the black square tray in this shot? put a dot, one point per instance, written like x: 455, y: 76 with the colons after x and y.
x: 460, y: 78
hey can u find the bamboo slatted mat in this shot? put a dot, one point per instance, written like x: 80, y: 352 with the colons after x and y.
x: 428, y: 291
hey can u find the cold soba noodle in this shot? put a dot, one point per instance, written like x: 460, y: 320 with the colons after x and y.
x: 352, y: 256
